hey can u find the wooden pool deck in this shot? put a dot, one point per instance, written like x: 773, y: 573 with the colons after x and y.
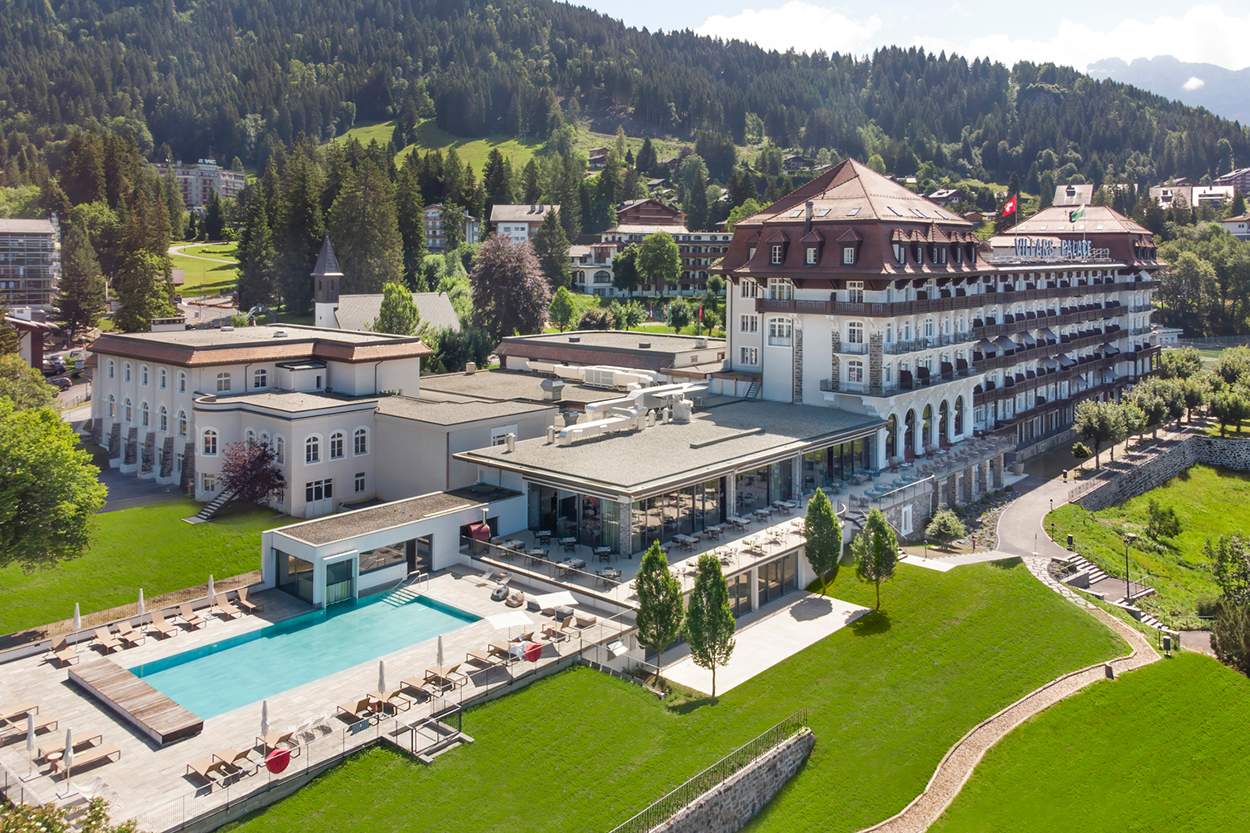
x: 140, y: 705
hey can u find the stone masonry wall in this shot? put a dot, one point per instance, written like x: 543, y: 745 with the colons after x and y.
x: 729, y: 806
x: 1214, y: 451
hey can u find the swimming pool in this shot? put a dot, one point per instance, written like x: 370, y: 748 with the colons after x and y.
x: 217, y: 678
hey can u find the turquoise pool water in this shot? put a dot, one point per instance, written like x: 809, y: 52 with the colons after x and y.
x: 216, y: 678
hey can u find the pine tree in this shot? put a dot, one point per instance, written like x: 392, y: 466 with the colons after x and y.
x: 531, y: 183
x: 696, y: 204
x: 299, y: 227
x: 411, y: 219
x: 452, y: 219
x: 257, y: 259
x: 365, y: 232
x: 214, y: 221
x: 497, y: 180
x: 81, y: 296
x: 551, y: 248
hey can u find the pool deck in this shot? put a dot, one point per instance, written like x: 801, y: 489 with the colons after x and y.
x: 151, y: 783
x: 145, y: 708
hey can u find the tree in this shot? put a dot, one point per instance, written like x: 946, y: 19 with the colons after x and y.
x: 696, y: 204
x: 410, y: 216
x: 1230, y: 407
x: 24, y: 818
x: 398, y: 315
x: 48, y: 488
x: 366, y: 233
x: 748, y: 209
x: 214, y: 218
x: 452, y: 220
x: 595, y: 318
x: 143, y: 287
x: 709, y: 621
x: 625, y: 269
x: 562, y: 309
x: 1134, y: 419
x: 626, y: 316
x: 1180, y: 364
x: 551, y: 248
x: 82, y: 295
x: 659, y: 258
x: 1195, y: 393
x: 660, y: 610
x: 258, y: 276
x: 1161, y: 522
x: 945, y: 527
x: 875, y: 551
x: 1231, y: 559
x: 510, y: 294
x: 23, y: 385
x: 1230, y: 636
x: 250, y: 471
x: 454, y: 349
x: 823, y: 535
x: 1099, y: 423
x: 679, y: 314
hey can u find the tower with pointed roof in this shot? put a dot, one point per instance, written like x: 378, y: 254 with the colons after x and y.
x: 326, y: 275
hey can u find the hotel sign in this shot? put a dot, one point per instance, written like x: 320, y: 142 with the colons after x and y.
x: 1049, y: 249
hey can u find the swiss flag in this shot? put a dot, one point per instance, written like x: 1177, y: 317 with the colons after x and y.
x: 1010, y: 207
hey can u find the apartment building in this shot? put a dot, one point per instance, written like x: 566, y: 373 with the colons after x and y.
x: 435, y: 239
x: 30, y: 262
x: 205, y: 177
x: 519, y: 222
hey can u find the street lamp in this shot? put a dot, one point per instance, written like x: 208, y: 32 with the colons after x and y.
x: 1128, y: 592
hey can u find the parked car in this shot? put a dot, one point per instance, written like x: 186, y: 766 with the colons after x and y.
x: 61, y: 383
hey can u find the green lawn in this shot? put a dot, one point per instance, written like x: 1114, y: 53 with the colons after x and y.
x: 1209, y: 501
x: 204, y: 277
x: 886, y: 698
x: 431, y: 137
x: 148, y: 547
x: 1161, y: 749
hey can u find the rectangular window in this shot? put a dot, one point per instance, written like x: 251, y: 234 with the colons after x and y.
x: 776, y: 250
x: 811, y: 255
x: 360, y: 482
x: 780, y: 289
x: 780, y: 332
x: 318, y: 490
x: 383, y: 557
x: 210, y: 482
x: 848, y: 255
x: 750, y: 356
x: 749, y: 324
x: 750, y: 289
x: 855, y: 292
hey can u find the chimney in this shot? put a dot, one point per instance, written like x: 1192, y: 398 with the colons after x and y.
x: 511, y: 443
x: 470, y: 368
x: 551, y: 433
x: 807, y: 225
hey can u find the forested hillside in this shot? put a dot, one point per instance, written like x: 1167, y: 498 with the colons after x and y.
x: 234, y: 77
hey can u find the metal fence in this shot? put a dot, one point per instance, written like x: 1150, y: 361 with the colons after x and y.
x: 1214, y: 342
x: 716, y: 774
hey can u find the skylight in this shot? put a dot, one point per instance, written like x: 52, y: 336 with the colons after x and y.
x: 895, y: 211
x: 853, y: 211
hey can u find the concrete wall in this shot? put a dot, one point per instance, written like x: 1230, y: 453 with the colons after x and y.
x: 730, y: 805
x: 1214, y: 451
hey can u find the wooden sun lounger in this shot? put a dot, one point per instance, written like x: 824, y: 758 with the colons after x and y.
x: 231, y: 758
x: 91, y: 757
x: 270, y: 741
x: 189, y: 617
x: 420, y: 687
x: 127, y: 633
x: 7, y: 713
x: 62, y: 652
x: 244, y: 602
x: 205, y: 767
x: 224, y: 608
x: 81, y: 741
x: 393, y: 699
x: 358, y: 710
x: 488, y: 660
x: 105, y: 640
x: 17, y: 725
x: 160, y: 626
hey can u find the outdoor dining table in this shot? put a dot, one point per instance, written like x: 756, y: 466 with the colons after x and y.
x: 603, y: 553
x: 537, y: 553
x: 606, y: 577
x: 514, y: 544
x: 762, y: 513
x: 543, y: 535
x: 568, y: 565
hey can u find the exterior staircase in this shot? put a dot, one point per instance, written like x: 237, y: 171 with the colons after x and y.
x: 753, y: 391
x: 167, y: 457
x: 149, y: 453
x: 211, y: 508
x: 1083, y: 565
x: 404, y: 592
x: 132, y: 447
x: 115, y: 441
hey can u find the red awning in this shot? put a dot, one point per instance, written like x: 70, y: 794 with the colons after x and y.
x: 479, y: 532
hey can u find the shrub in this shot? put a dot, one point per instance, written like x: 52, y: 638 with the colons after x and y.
x: 1081, y: 451
x: 595, y: 318
x: 1161, y: 521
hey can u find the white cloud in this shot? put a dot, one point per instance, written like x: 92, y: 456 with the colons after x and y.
x: 1194, y: 83
x: 804, y: 26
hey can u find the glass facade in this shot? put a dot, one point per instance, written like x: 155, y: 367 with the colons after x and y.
x: 684, y: 512
x: 740, y: 594
x: 836, y: 464
x: 777, y: 578
x: 383, y: 557
x: 295, y: 576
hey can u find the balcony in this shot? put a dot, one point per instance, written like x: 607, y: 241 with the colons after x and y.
x: 853, y: 348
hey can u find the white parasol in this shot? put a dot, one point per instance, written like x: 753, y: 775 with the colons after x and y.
x: 67, y: 759
x: 439, y: 660
x: 382, y: 677
x: 264, y: 718
x: 212, y: 594
x: 77, y: 619
x: 142, y: 608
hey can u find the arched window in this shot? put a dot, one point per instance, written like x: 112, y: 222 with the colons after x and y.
x: 279, y: 450
x: 143, y: 375
x: 162, y: 419
x: 182, y: 382
x: 251, y: 436
x: 959, y: 416
x: 336, y: 445
x: 223, y: 382
x: 126, y: 410
x: 112, y: 407
x: 144, y: 415
x: 112, y: 368
x: 182, y: 423
x: 162, y: 378
x: 360, y: 441
x: 125, y: 371
x: 260, y: 378
x: 312, y: 450
x: 209, y: 446
x: 265, y: 439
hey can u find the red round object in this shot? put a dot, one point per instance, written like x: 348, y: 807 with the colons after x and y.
x: 278, y: 760
x: 533, y: 651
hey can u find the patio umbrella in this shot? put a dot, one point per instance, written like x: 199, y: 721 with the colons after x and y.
x: 77, y: 619
x: 142, y: 608
x: 264, y: 718
x: 439, y: 661
x: 508, y: 620
x: 68, y: 760
x: 382, y: 677
x: 30, y: 740
x: 212, y: 594
x: 564, y: 597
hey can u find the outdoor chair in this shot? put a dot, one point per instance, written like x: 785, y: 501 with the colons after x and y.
x: 234, y: 760
x: 244, y: 602
x: 486, y: 660
x: 394, y: 700
x: 554, y: 633
x: 584, y: 620
x: 227, y: 610
x: 206, y: 768
x: 269, y: 742
x: 358, y: 710
x: 92, y: 757
x: 127, y: 633
x: 515, y: 599
x: 160, y: 626
x: 8, y: 713
x: 189, y: 617
x: 82, y: 741
x: 62, y: 652
x: 17, y: 725
x: 567, y: 629
x: 105, y: 641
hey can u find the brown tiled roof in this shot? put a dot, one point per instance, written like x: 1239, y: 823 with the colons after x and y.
x: 187, y: 350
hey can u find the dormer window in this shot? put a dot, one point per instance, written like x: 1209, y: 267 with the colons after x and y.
x: 848, y: 255
x: 775, y: 254
x: 811, y: 256
x: 959, y: 254
x: 917, y: 253
x: 900, y: 253
x: 939, y: 253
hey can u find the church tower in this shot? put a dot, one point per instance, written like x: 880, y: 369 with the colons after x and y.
x: 327, y: 281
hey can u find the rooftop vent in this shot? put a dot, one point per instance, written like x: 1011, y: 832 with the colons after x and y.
x: 574, y: 339
x: 552, y: 389
x: 279, y: 333
x: 644, y: 345
x: 226, y: 328
x: 470, y: 368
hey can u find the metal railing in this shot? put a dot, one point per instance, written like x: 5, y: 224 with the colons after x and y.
x: 719, y: 772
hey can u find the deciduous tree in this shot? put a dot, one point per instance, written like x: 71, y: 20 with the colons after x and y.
x: 660, y: 609
x: 398, y: 315
x: 710, y: 623
x: 24, y: 385
x: 1099, y: 423
x: 658, y: 258
x: 823, y: 534
x: 562, y: 309
x: 510, y: 294
x: 625, y: 269
x: 945, y: 527
x: 875, y: 550
x: 250, y: 471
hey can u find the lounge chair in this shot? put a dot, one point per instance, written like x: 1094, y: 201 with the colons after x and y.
x: 358, y: 710
x: 515, y: 599
x: 189, y: 617
x: 486, y: 660
x: 270, y: 742
x: 62, y: 652
x: 160, y: 627
x: 584, y: 621
x: 234, y: 759
x: 244, y: 602
x: 394, y: 699
x: 451, y: 676
x: 229, y: 611
x: 8, y: 713
x: 554, y: 633
x: 567, y: 629
x: 81, y: 741
x: 90, y: 758
x: 127, y: 633
x: 502, y: 650
x: 525, y: 637
x: 105, y: 641
x: 206, y: 768
x: 17, y: 726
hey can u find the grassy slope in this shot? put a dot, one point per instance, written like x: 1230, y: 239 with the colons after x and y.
x: 148, y: 547
x: 1209, y: 501
x: 1161, y: 749
x: 203, y: 277
x: 886, y: 698
x: 431, y: 137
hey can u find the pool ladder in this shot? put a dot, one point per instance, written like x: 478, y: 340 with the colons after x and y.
x: 406, y: 590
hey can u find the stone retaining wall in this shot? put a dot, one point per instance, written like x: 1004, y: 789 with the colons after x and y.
x: 1214, y: 451
x: 730, y: 805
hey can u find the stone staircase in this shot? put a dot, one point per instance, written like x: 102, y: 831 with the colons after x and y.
x: 1086, y: 572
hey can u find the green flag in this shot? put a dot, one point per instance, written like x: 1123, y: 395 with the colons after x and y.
x: 1073, y: 216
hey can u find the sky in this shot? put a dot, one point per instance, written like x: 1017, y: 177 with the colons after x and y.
x: 1066, y: 32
